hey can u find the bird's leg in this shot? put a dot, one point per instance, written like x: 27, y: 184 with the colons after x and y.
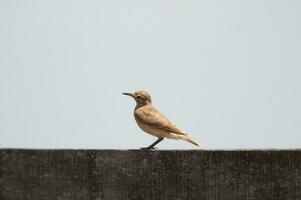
x: 154, y: 144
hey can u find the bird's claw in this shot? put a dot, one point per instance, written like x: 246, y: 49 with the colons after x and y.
x: 148, y: 148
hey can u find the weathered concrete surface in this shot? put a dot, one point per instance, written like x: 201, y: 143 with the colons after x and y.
x: 143, y: 175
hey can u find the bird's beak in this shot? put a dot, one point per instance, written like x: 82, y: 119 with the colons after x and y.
x: 129, y: 94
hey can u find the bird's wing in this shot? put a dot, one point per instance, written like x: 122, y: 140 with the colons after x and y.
x: 152, y: 117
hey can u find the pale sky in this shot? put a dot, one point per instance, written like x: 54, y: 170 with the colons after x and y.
x: 226, y: 72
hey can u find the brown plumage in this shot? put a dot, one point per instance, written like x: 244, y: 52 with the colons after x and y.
x: 153, y: 121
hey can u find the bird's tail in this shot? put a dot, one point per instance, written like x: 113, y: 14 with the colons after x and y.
x: 191, y: 141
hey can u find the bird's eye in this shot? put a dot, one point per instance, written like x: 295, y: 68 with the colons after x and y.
x: 139, y: 97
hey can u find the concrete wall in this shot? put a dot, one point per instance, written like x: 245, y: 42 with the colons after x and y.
x: 143, y: 175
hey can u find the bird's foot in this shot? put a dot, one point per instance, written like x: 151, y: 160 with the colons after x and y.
x: 148, y: 148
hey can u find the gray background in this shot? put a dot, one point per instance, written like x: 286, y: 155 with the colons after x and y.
x: 227, y: 72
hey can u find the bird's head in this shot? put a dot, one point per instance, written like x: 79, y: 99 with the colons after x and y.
x: 141, y: 97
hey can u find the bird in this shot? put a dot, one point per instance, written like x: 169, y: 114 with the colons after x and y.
x: 153, y: 122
